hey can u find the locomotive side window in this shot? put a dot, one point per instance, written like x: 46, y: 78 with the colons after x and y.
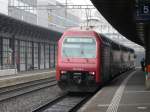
x: 79, y: 47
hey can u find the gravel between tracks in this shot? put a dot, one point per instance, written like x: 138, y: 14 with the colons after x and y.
x: 30, y: 101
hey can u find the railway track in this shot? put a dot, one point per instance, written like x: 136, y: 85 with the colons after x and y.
x: 25, y: 88
x: 65, y: 103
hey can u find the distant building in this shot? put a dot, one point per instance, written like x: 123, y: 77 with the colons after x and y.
x: 4, y: 7
x: 53, y: 17
x: 56, y: 17
x: 23, y: 9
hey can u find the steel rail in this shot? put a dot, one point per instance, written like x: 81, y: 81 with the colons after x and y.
x: 65, y: 103
x: 21, y: 89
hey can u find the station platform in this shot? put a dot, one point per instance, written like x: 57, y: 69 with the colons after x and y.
x: 25, y: 77
x: 126, y: 93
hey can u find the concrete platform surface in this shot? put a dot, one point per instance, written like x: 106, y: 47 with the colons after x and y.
x: 24, y: 77
x: 126, y: 93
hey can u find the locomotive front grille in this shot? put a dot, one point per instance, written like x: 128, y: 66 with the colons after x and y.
x: 77, y: 77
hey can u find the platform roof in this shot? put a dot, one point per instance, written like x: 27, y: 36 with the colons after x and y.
x: 13, y: 27
x: 121, y: 15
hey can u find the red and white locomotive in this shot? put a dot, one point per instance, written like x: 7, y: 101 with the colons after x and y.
x: 87, y: 59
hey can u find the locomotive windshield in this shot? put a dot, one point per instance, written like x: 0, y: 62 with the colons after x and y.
x: 79, y: 47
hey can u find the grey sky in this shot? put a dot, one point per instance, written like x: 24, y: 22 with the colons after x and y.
x: 81, y: 13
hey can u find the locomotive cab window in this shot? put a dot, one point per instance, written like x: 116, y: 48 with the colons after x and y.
x: 79, y: 47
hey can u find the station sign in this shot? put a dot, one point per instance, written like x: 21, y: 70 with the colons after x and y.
x: 143, y: 10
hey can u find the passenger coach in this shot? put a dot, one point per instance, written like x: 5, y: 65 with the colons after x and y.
x: 87, y: 59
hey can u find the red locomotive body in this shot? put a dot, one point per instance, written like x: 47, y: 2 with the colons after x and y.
x: 84, y: 61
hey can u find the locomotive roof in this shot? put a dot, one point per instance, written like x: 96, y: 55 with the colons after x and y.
x: 81, y: 29
x: 103, y: 36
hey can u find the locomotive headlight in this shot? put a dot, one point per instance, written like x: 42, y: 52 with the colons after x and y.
x: 92, y: 73
x: 63, y: 72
